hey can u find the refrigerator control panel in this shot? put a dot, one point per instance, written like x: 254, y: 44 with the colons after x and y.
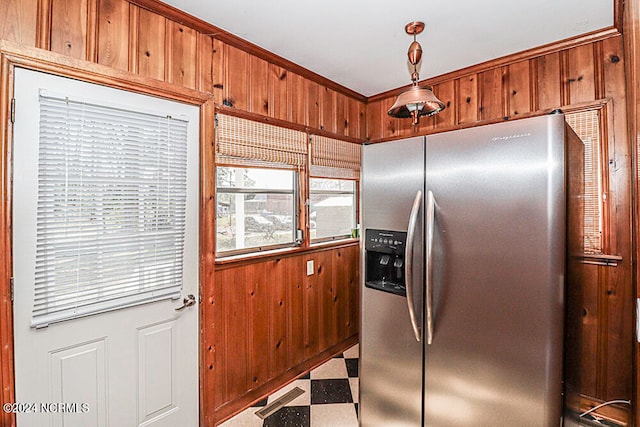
x: 385, y: 263
x: 391, y: 242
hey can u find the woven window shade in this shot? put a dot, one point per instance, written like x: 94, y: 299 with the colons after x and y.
x: 586, y: 124
x: 332, y: 158
x: 247, y: 143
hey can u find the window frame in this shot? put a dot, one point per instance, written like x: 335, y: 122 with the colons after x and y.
x: 294, y: 192
x: 355, y: 194
x: 605, y: 116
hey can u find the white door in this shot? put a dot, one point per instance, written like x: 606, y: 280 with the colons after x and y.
x: 130, y: 366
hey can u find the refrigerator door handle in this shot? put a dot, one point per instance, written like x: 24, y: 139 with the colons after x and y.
x: 430, y: 220
x: 408, y: 265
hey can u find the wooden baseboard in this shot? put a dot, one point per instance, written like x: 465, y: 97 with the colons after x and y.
x: 615, y: 413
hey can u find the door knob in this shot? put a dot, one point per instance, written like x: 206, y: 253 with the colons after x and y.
x: 188, y: 301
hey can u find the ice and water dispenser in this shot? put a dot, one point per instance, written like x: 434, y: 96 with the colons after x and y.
x: 384, y: 258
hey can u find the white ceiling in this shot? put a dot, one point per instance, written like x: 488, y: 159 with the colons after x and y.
x: 361, y: 44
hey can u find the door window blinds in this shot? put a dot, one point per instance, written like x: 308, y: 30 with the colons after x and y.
x: 332, y: 158
x: 111, y: 209
x: 586, y: 124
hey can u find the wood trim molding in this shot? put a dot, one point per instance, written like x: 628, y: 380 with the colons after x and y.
x: 55, y: 63
x: 631, y: 14
x: 285, y: 124
x: 15, y: 55
x: 256, y: 257
x: 6, y: 307
x: 508, y: 59
x: 233, y: 40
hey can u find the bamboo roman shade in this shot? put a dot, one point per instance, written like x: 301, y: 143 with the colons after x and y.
x: 249, y: 143
x: 332, y: 158
x: 586, y: 124
x: 111, y: 209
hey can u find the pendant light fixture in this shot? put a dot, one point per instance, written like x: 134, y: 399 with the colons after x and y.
x: 416, y: 101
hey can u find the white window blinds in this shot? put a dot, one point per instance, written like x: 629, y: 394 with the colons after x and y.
x: 111, y: 209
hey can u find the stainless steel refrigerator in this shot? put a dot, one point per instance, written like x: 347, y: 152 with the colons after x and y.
x: 464, y: 241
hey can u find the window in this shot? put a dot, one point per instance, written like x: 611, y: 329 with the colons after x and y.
x: 262, y: 173
x: 111, y: 209
x: 586, y: 124
x: 332, y: 211
x: 255, y: 208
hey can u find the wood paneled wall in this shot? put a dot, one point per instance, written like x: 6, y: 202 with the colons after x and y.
x: 153, y: 42
x: 131, y: 36
x: 271, y: 321
x: 270, y: 90
x: 632, y: 49
x: 577, y: 76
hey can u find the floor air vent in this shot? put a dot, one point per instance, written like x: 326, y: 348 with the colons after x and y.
x: 274, y: 406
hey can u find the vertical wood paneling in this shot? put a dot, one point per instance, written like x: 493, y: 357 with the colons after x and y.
x: 548, y: 83
x: 519, y: 90
x: 580, y: 74
x: 217, y: 369
x: 258, y: 295
x: 632, y: 80
x: 151, y: 44
x: 278, y: 280
x: 446, y: 93
x: 362, y: 122
x: 374, y: 120
x: 491, y: 98
x: 218, y: 70
x: 296, y: 312
x: 312, y: 95
x: 296, y: 99
x: 204, y: 70
x: 278, y: 97
x: 327, y: 311
x: 327, y: 109
x: 311, y: 313
x: 69, y: 27
x: 351, y: 264
x: 353, y: 118
x: 342, y: 114
x: 235, y: 344
x: 390, y: 125
x: 237, y: 62
x: 208, y: 310
x: 467, y: 101
x: 344, y: 275
x: 258, y: 85
x: 269, y: 317
x: 589, y: 337
x: 123, y: 36
x: 182, y: 61
x: 17, y: 21
x: 113, y: 32
x: 620, y: 288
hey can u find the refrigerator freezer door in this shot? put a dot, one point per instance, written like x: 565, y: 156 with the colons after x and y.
x: 390, y: 355
x: 498, y: 266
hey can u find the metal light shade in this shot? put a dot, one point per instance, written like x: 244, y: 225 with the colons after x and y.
x: 416, y: 102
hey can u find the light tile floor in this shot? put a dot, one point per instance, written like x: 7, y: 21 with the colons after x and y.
x: 330, y: 398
